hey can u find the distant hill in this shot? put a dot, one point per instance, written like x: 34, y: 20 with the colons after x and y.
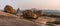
x: 51, y: 11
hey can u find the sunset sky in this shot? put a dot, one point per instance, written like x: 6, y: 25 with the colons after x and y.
x: 27, y: 4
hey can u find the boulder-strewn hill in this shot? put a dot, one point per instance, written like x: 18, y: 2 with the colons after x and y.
x: 7, y: 19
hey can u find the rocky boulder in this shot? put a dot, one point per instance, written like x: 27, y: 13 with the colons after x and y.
x: 9, y: 9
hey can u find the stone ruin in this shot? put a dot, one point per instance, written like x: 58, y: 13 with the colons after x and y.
x: 29, y: 14
x: 18, y: 12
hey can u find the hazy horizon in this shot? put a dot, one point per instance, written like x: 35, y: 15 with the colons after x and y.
x: 28, y: 4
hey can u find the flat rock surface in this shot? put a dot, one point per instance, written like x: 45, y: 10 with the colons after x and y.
x: 43, y: 20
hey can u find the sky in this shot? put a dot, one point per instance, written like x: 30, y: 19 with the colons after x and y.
x: 28, y: 4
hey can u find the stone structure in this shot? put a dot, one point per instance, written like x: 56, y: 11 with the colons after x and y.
x: 9, y: 9
x: 18, y: 12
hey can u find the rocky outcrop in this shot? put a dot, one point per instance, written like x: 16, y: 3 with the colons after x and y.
x: 29, y: 14
x: 40, y: 13
x: 7, y: 19
x: 18, y: 12
x: 9, y: 9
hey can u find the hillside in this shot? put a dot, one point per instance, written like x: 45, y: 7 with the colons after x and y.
x: 7, y: 19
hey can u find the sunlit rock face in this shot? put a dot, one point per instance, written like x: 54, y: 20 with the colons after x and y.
x: 41, y: 21
x: 29, y: 14
x: 7, y: 19
x: 9, y: 9
x: 44, y: 20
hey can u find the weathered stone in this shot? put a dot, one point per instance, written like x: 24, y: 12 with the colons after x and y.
x: 34, y: 16
x: 18, y: 12
x: 40, y: 13
x: 29, y: 14
x: 9, y: 9
x: 10, y: 20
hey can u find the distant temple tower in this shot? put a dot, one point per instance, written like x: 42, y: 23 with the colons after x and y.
x: 18, y: 12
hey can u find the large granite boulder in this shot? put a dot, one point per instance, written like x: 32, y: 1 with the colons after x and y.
x: 7, y: 19
x: 29, y: 14
x: 9, y: 9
